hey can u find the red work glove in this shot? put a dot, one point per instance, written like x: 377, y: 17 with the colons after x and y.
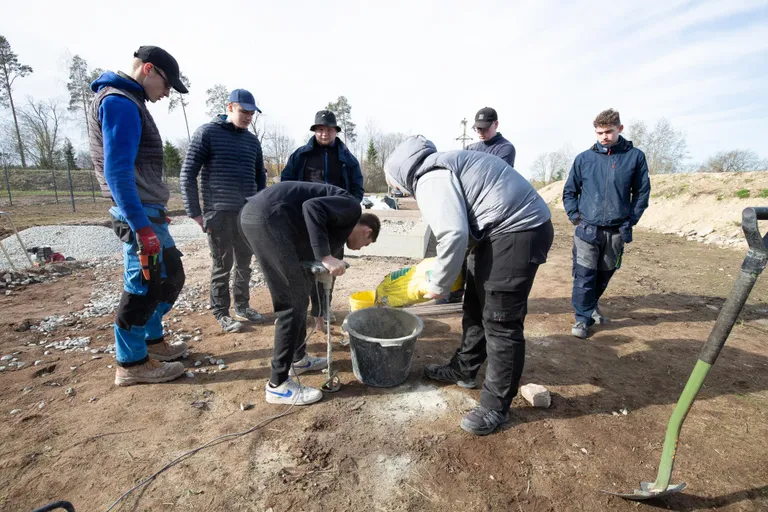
x: 147, y: 241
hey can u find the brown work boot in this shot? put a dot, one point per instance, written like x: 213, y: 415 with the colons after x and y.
x: 164, y: 351
x: 149, y: 373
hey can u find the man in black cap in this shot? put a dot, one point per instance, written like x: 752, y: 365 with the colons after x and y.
x: 491, y: 141
x: 127, y: 154
x: 230, y: 163
x: 325, y: 159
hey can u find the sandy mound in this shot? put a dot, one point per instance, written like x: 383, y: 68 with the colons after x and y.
x: 703, y: 206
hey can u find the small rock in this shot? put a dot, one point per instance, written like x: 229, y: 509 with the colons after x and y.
x: 73, y: 368
x: 219, y: 361
x: 95, y: 357
x: 38, y: 362
x: 584, y: 451
x: 3, y: 368
x: 176, y: 320
x: 624, y: 411
x: 190, y: 375
x: 198, y: 363
x: 6, y: 358
x: 41, y: 405
x: 47, y: 353
x: 245, y: 406
x: 706, y: 230
x: 26, y: 390
x: 16, y: 411
x: 109, y: 366
x: 70, y: 392
x: 92, y: 399
x: 536, y: 395
x: 713, y: 308
x: 196, y: 338
x: 223, y: 367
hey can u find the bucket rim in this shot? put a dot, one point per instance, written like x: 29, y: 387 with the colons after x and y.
x: 385, y: 342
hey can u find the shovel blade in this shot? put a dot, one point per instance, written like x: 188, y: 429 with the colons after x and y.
x: 647, y: 492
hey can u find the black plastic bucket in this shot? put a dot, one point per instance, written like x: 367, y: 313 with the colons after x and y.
x: 382, y: 341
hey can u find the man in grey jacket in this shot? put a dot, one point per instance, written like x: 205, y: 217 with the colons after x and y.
x: 473, y: 199
x: 229, y: 159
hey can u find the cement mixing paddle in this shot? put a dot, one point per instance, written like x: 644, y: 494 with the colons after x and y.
x: 324, y: 277
x: 753, y: 265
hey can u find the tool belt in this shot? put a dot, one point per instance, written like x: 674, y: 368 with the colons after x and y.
x: 123, y: 230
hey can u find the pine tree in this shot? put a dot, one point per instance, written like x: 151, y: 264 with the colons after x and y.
x: 79, y: 86
x: 343, y: 111
x: 10, y: 70
x: 171, y: 159
x: 69, y: 155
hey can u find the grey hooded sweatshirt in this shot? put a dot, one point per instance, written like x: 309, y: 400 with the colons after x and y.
x: 463, y: 194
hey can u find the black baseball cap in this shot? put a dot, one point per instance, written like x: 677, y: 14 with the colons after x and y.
x: 485, y: 117
x: 165, y: 61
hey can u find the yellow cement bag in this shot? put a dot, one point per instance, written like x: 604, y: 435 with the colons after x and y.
x: 406, y: 286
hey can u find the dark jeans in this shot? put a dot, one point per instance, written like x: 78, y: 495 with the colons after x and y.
x: 271, y: 235
x: 500, y: 274
x: 597, y: 254
x: 227, y: 247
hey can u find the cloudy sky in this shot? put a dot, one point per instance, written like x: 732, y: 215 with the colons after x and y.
x: 420, y: 67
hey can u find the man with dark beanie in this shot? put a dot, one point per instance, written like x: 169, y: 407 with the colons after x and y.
x: 325, y: 159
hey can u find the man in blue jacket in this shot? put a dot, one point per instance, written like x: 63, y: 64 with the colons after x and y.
x: 605, y: 195
x: 231, y: 164
x: 127, y: 154
x: 325, y: 159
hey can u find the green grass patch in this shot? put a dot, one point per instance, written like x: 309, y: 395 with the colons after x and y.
x: 763, y: 193
x: 742, y: 194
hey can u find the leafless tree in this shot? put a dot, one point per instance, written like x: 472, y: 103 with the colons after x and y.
x: 278, y: 146
x: 552, y: 166
x: 665, y: 148
x: 41, y: 123
x: 736, y: 160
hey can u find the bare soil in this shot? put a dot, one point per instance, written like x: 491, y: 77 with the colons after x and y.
x: 365, y: 448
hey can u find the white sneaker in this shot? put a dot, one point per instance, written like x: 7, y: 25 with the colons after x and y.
x: 308, y: 364
x: 289, y: 392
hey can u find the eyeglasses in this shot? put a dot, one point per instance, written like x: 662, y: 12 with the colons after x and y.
x: 165, y: 80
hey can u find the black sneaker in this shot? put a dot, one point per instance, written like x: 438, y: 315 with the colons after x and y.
x: 481, y: 421
x: 447, y: 373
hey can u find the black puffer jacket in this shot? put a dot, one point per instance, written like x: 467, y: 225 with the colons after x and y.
x: 230, y: 164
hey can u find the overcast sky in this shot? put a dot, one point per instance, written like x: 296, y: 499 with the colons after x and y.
x: 420, y: 67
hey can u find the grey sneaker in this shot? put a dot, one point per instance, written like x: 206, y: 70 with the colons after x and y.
x: 229, y: 325
x: 447, y: 373
x: 482, y: 421
x: 579, y: 330
x: 598, y: 317
x: 165, y: 351
x: 248, y: 314
x: 150, y: 372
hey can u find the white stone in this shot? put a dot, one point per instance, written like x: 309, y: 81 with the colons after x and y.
x: 536, y: 395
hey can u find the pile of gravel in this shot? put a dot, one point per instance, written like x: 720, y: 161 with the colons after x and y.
x: 397, y: 227
x: 85, y: 242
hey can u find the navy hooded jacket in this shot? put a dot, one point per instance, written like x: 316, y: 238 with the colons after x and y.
x: 608, y: 186
x: 351, y: 174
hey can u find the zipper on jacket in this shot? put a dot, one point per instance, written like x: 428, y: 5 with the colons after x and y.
x: 325, y: 154
x: 605, y: 191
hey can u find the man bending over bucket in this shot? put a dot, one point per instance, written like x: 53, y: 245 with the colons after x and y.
x: 286, y: 224
x: 476, y: 199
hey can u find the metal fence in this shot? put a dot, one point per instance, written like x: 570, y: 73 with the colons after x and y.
x: 57, y: 186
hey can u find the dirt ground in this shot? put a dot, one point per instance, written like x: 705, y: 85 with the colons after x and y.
x: 375, y: 449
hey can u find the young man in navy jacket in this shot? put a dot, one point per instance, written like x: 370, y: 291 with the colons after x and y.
x: 604, y: 196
